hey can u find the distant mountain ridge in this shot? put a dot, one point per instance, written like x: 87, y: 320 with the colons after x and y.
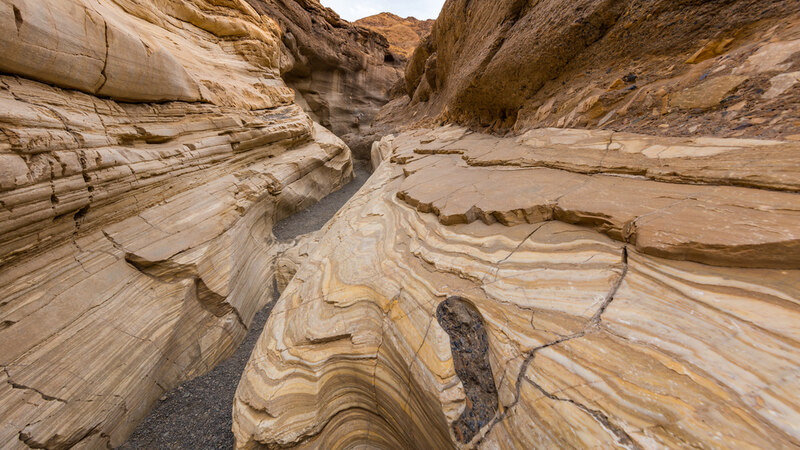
x: 403, y: 34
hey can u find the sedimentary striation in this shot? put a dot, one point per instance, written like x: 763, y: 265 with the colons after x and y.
x: 560, y: 288
x: 617, y: 266
x: 343, y: 73
x: 147, y: 148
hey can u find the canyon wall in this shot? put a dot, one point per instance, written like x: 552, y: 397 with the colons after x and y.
x: 146, y: 149
x: 673, y: 68
x: 619, y: 269
x: 343, y: 73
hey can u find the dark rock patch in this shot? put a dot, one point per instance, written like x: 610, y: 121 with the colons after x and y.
x: 470, y: 346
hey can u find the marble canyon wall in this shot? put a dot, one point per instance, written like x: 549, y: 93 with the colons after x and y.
x: 616, y: 266
x: 342, y: 72
x: 146, y: 149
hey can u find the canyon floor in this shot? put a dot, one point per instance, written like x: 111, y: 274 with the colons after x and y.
x: 199, y: 411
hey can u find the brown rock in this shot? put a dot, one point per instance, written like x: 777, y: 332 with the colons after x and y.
x: 499, y: 64
x: 342, y: 72
x: 712, y: 49
x: 403, y: 34
x: 708, y: 94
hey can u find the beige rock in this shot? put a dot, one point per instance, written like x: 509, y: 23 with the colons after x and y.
x: 291, y: 256
x: 598, y: 334
x: 712, y: 49
x: 135, y: 238
x: 781, y: 83
x: 771, y: 56
x: 708, y: 94
x: 142, y: 51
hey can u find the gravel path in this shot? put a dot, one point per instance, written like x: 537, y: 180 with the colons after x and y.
x: 197, y: 414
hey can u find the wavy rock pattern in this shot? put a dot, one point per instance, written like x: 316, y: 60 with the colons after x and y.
x: 604, y: 330
x: 135, y: 237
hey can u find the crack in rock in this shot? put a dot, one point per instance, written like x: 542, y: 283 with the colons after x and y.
x: 594, y: 322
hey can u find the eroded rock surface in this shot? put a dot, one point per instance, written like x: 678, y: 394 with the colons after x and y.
x: 403, y: 34
x: 146, y: 150
x: 343, y: 73
x: 671, y: 68
x: 629, y: 299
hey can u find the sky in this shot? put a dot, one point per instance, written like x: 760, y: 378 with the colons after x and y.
x: 352, y: 10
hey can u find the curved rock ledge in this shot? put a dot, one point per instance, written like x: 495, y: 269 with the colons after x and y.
x: 668, y: 197
x: 593, y: 340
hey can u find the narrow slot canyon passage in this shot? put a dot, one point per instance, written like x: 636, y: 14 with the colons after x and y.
x: 453, y: 224
x: 197, y: 414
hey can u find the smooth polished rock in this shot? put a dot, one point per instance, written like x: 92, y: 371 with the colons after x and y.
x: 146, y: 150
x: 598, y: 334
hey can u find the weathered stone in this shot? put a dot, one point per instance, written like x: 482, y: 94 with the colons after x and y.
x: 515, y: 65
x: 708, y: 94
x: 343, y: 73
x: 403, y: 34
x: 620, y: 310
x: 135, y: 237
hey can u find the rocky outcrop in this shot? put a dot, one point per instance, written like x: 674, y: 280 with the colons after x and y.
x: 672, y: 68
x: 561, y: 288
x: 403, y: 34
x: 343, y: 73
x: 618, y: 270
x: 147, y: 148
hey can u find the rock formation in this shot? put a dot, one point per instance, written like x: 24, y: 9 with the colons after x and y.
x: 403, y: 34
x: 147, y: 148
x: 343, y: 73
x: 656, y: 309
x: 674, y: 68
x: 620, y: 269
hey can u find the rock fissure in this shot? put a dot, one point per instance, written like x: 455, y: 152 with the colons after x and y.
x: 44, y: 396
x: 469, y: 345
x: 105, y: 59
x: 531, y: 355
x: 621, y: 436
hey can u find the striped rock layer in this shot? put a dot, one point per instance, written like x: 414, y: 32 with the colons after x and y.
x: 558, y: 289
x: 146, y: 149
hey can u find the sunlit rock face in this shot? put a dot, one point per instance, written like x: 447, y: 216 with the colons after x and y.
x: 403, y: 34
x: 618, y: 266
x: 146, y: 149
x: 561, y: 288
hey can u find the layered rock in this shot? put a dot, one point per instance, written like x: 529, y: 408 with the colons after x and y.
x: 146, y: 150
x: 561, y: 288
x: 343, y: 73
x: 673, y: 68
x: 403, y: 34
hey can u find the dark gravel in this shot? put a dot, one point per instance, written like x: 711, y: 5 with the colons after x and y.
x: 197, y: 414
x: 315, y: 217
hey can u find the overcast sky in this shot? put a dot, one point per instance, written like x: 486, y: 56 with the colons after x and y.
x: 353, y: 10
